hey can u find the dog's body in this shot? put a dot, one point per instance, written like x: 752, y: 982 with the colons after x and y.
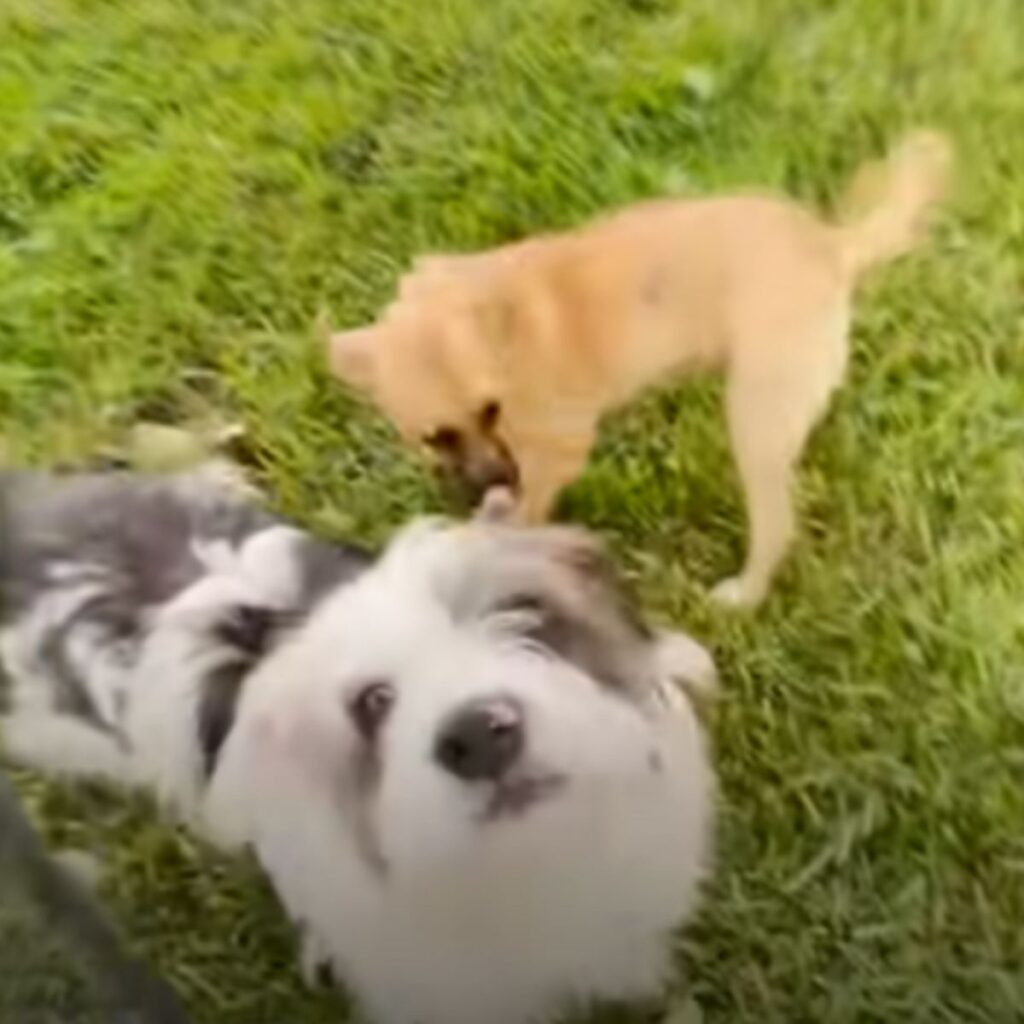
x: 504, y: 361
x: 463, y: 765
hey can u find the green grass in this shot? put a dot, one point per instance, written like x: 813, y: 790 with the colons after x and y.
x: 183, y: 185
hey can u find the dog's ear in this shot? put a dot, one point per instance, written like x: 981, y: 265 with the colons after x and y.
x: 498, y: 316
x: 571, y: 600
x: 473, y: 272
x: 352, y: 357
x: 432, y: 271
x: 440, y: 263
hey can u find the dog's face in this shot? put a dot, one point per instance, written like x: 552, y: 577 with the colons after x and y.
x: 477, y: 688
x: 430, y: 365
x: 466, y: 781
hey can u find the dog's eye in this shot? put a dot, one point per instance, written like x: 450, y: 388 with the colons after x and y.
x: 531, y: 603
x: 370, y: 707
x: 533, y: 616
x: 444, y: 439
x: 489, y: 415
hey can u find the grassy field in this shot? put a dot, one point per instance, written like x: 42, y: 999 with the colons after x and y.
x: 183, y: 185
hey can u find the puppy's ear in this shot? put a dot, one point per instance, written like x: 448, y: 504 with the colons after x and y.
x: 436, y: 263
x: 351, y: 356
x: 439, y: 270
x: 572, y: 601
x: 498, y: 316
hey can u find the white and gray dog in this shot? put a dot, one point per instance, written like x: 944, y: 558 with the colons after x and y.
x: 465, y: 765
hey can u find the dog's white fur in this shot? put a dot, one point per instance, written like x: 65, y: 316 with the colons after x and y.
x: 433, y: 913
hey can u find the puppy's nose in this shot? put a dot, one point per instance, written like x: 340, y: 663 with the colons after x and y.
x: 481, y: 741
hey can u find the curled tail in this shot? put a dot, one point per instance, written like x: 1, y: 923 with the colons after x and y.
x: 888, y: 203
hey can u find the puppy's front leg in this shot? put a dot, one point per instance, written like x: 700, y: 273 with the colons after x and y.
x: 681, y: 661
x: 545, y: 470
x: 540, y: 489
x: 315, y: 961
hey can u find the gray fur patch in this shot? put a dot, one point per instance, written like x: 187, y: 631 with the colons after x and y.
x: 139, y: 529
x: 104, y: 551
x: 572, y: 601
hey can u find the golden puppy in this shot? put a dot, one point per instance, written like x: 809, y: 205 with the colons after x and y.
x: 502, y: 362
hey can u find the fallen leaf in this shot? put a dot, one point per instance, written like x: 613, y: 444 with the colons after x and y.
x: 157, y: 448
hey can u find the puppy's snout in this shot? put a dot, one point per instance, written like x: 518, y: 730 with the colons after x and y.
x: 482, y: 741
x: 495, y: 471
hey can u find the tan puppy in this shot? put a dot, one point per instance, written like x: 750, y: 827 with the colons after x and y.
x: 503, y: 362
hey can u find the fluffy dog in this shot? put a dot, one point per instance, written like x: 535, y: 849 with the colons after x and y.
x: 464, y: 765
x: 502, y: 362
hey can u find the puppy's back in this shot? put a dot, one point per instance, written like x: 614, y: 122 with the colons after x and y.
x: 139, y: 529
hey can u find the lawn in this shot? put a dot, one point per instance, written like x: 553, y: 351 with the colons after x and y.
x: 185, y: 185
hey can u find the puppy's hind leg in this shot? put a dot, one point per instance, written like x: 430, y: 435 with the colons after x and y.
x: 771, y: 411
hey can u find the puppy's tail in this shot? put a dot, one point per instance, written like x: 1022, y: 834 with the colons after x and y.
x: 887, y: 206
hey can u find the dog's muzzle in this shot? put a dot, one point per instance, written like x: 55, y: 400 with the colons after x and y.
x: 478, y: 466
x: 483, y: 475
x: 482, y: 741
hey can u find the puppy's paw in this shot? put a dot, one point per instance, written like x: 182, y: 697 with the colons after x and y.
x: 315, y: 961
x: 683, y: 662
x: 738, y: 592
x: 684, y: 1011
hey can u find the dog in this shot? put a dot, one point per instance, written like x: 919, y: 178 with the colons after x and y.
x: 475, y: 778
x: 501, y: 363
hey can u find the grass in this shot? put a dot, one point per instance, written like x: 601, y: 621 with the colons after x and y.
x: 184, y: 185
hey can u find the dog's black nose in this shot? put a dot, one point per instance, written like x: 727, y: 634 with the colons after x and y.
x: 482, y: 741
